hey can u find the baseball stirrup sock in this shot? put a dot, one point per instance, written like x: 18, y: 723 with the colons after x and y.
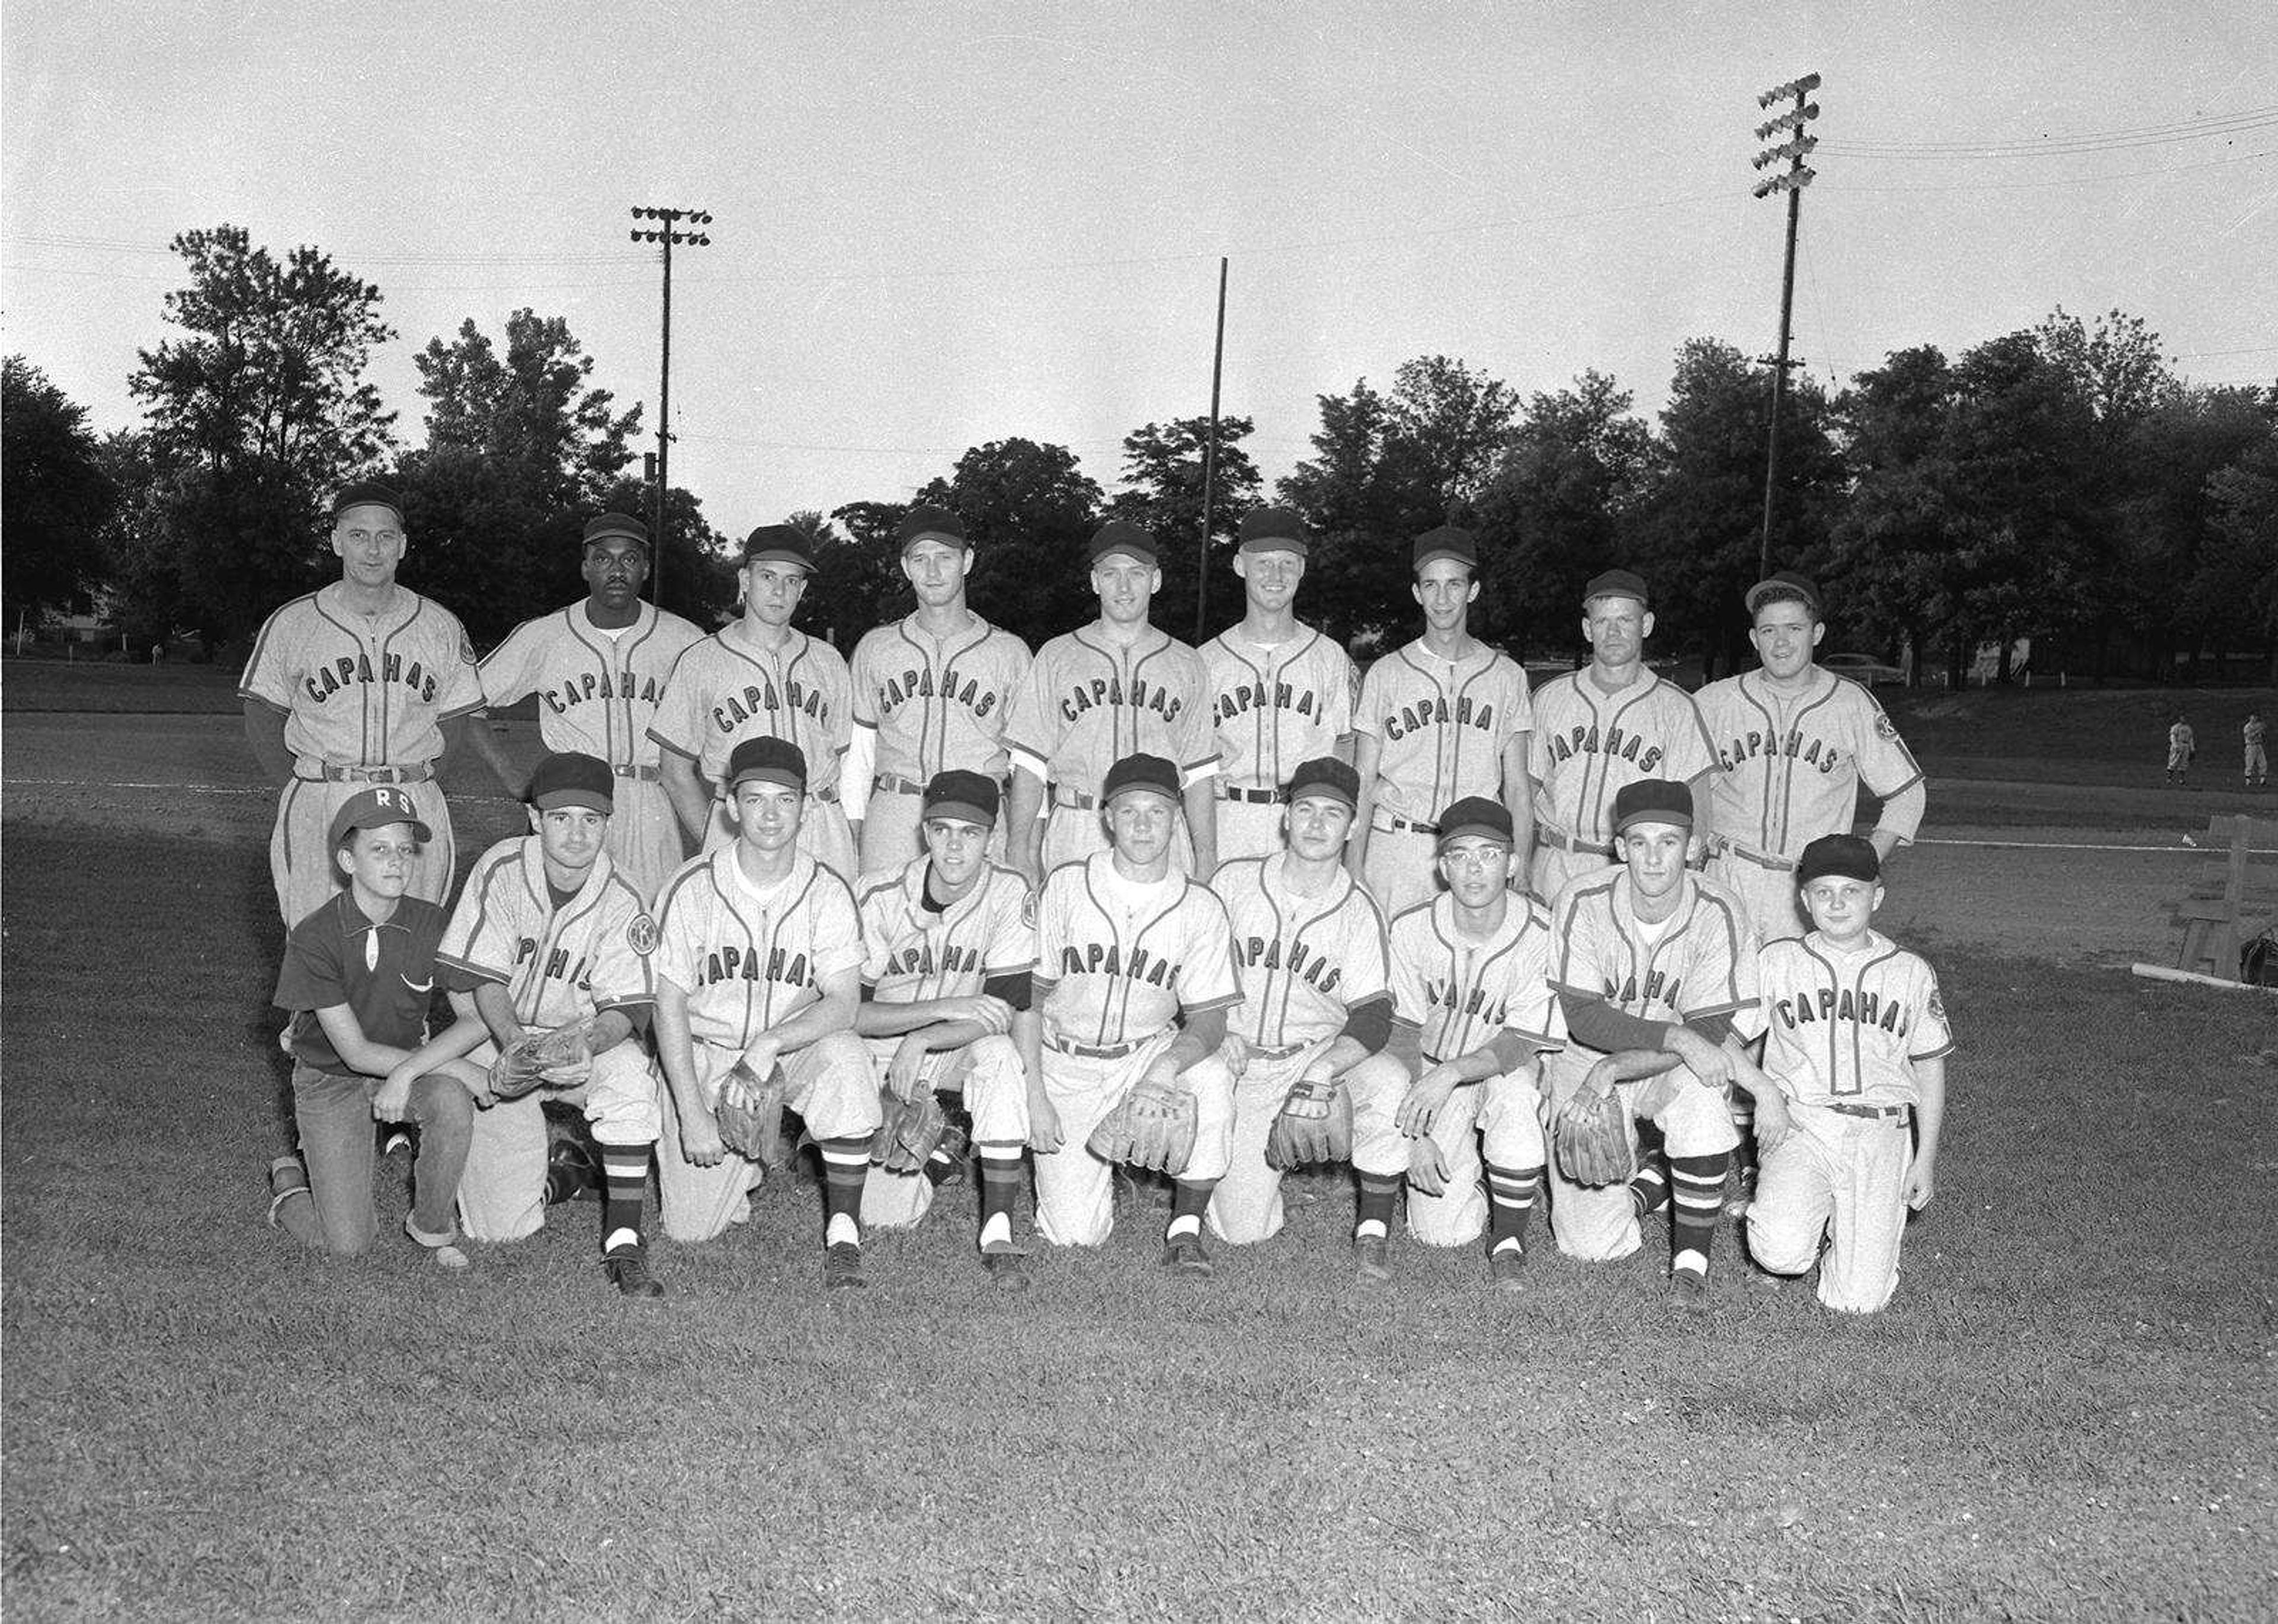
x: 1379, y: 1191
x: 1000, y: 1179
x: 1648, y: 1191
x: 846, y: 1164
x: 1510, y: 1202
x: 624, y: 1181
x: 1698, y: 1185
x: 1189, y: 1200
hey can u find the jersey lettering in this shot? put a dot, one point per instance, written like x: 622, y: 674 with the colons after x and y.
x: 590, y: 686
x: 739, y: 708
x: 1472, y: 1003
x: 1294, y: 959
x: 327, y: 680
x: 1820, y: 753
x: 920, y: 959
x: 1581, y: 740
x: 1107, y: 690
x: 1437, y: 712
x: 784, y: 966
x: 1659, y: 987
x: 1240, y: 701
x: 917, y: 683
x: 1107, y: 958
x: 1857, y: 1008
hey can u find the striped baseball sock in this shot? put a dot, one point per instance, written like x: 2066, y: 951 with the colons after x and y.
x: 1648, y: 1190
x: 1510, y: 1202
x: 1189, y: 1200
x: 1378, y: 1194
x: 1000, y: 1186
x: 846, y: 1164
x: 1744, y: 1118
x: 624, y: 1182
x: 1698, y: 1186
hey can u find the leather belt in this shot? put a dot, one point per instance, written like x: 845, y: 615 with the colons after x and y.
x: 1761, y: 859
x: 1872, y: 1113
x: 1266, y: 1051
x: 1554, y: 835
x: 1076, y: 798
x: 336, y: 773
x: 1389, y: 821
x: 1099, y: 1051
x: 1255, y: 797
x: 646, y: 774
x: 828, y: 796
x: 894, y: 784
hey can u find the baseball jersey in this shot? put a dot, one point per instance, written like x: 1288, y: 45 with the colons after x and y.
x: 364, y: 689
x: 751, y: 957
x: 1702, y: 961
x: 1589, y: 744
x: 1440, y: 727
x: 597, y: 688
x: 912, y: 953
x: 724, y: 689
x: 558, y: 963
x: 936, y: 703
x: 2181, y: 739
x: 1277, y: 708
x: 1459, y: 992
x: 1793, y: 763
x: 2253, y: 731
x: 1303, y: 961
x: 1117, y: 960
x: 384, y: 973
x: 1847, y: 1024
x: 1087, y: 702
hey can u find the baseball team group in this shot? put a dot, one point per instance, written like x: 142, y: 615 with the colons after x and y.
x: 1113, y: 926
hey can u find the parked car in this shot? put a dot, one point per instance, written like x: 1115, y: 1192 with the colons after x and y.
x: 1862, y: 667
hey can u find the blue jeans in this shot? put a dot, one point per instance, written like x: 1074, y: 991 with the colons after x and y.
x: 334, y: 1113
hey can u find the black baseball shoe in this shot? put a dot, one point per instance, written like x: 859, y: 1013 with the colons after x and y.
x: 1370, y: 1265
x: 842, y: 1266
x: 1184, y: 1255
x: 1688, y: 1289
x: 627, y: 1268
x: 1007, y: 1266
x: 1507, y: 1269
x: 571, y: 1173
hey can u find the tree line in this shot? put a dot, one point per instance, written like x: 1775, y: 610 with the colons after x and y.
x: 2062, y: 483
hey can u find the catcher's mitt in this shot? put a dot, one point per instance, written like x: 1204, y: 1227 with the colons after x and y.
x: 751, y: 1111
x: 1427, y: 1166
x: 1314, y: 1125
x: 561, y: 1058
x: 1152, y: 1127
x: 910, y: 1134
x: 1591, y: 1139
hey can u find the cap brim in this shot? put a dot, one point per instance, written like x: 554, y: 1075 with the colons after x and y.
x: 1275, y: 544
x: 777, y: 556
x: 1438, y: 553
x: 592, y: 798
x: 782, y: 776
x: 963, y: 811
x: 1761, y: 587
x: 943, y: 536
x: 1475, y: 831
x: 1675, y: 820
x: 420, y: 832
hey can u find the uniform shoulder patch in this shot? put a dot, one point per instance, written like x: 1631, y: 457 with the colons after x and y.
x: 1883, y: 725
x: 1937, y: 1004
x: 1028, y: 909
x: 640, y: 935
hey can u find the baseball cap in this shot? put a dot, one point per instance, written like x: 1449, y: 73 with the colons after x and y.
x: 959, y: 793
x: 1615, y: 584
x: 1846, y: 856
x: 779, y: 544
x: 611, y: 525
x: 569, y: 778
x: 1652, y: 800
x: 1474, y: 817
x: 1786, y: 582
x: 770, y: 760
x: 928, y: 522
x: 1121, y: 535
x: 1141, y: 772
x: 1326, y: 776
x: 375, y: 809
x: 1449, y: 541
x: 1273, y: 530
x: 366, y: 493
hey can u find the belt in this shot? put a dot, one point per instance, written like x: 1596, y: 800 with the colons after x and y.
x: 1554, y: 835
x: 419, y: 772
x: 1255, y: 797
x: 1267, y: 1051
x: 828, y: 796
x: 1100, y: 1051
x: 1761, y: 859
x: 1073, y: 797
x: 1872, y: 1113
x: 1389, y: 821
x: 646, y: 774
x: 894, y: 784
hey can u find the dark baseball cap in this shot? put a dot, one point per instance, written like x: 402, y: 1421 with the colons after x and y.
x: 1449, y: 541
x: 366, y: 493
x: 1787, y: 584
x: 958, y: 793
x: 568, y: 778
x: 611, y: 526
x: 375, y: 809
x: 1652, y: 800
x: 1273, y: 530
x: 1475, y: 816
x: 779, y: 544
x: 1615, y: 584
x: 1846, y: 856
x: 1328, y: 777
x: 928, y: 522
x: 1121, y: 535
x: 770, y: 760
x: 1142, y: 771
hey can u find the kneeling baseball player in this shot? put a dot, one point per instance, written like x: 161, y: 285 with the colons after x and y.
x: 951, y: 956
x: 1454, y: 1090
x: 1308, y: 945
x: 1134, y: 974
x: 757, y: 962
x: 557, y: 941
x: 1857, y: 1040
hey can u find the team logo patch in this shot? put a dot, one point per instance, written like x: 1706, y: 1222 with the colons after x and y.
x: 640, y: 935
x: 1937, y: 1005
x: 1884, y: 726
x: 1028, y: 909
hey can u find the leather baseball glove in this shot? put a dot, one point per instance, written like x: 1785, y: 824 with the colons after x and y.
x: 1590, y: 1136
x: 1153, y: 1127
x: 561, y: 1058
x: 910, y: 1134
x: 1314, y: 1125
x: 751, y: 1112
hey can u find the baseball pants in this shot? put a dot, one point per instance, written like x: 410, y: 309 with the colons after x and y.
x: 1249, y: 829
x: 502, y: 1191
x: 645, y: 840
x: 1402, y: 868
x: 332, y: 1111
x: 1555, y: 868
x: 1075, y: 1196
x: 823, y: 835
x: 2257, y: 765
x: 890, y: 835
x: 1246, y: 1207
x: 1768, y: 894
x: 988, y: 1072
x: 831, y: 1092
x: 1500, y: 1119
x: 1601, y: 1225
x: 300, y: 858
x: 1843, y: 1179
x: 1073, y: 832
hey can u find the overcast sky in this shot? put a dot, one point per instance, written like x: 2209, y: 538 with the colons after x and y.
x: 942, y: 225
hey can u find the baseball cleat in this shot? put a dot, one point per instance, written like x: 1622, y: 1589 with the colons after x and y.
x: 1688, y: 1289
x: 570, y: 1172
x: 627, y: 1268
x: 450, y: 1259
x: 1369, y: 1265
x: 1744, y: 1193
x: 1184, y: 1256
x: 1007, y: 1269
x: 946, y: 1165
x: 397, y: 1140
x: 287, y: 1178
x: 1507, y: 1269
x: 842, y: 1266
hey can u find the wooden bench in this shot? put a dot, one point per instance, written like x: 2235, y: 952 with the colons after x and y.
x: 2234, y: 898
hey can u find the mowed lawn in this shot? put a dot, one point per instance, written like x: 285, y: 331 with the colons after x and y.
x: 2068, y: 1413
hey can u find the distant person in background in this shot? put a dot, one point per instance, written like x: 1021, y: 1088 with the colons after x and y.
x: 2258, y: 758
x: 2181, y: 744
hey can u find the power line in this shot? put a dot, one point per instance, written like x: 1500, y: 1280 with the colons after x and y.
x: 2047, y: 146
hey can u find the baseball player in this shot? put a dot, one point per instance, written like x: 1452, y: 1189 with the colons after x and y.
x: 1455, y: 1093
x: 1308, y: 945
x: 950, y: 958
x: 362, y: 682
x: 2257, y: 757
x: 1652, y: 963
x: 358, y: 977
x: 757, y: 965
x: 1856, y: 1044
x: 2182, y: 745
x: 931, y: 692
x: 598, y: 667
x: 1609, y: 724
x: 1134, y: 975
x: 1442, y: 719
x: 552, y: 933
x: 1280, y: 692
x: 1795, y: 742
x: 1099, y: 695
x: 756, y: 677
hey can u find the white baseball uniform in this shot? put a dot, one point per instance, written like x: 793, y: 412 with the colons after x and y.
x: 928, y: 704
x: 1275, y: 709
x: 1586, y: 745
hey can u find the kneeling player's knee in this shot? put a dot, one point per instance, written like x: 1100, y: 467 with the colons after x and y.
x: 1781, y: 1246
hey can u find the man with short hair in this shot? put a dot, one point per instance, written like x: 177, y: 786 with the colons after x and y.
x: 1443, y: 719
x: 931, y: 692
x: 2257, y: 756
x: 1282, y: 693
x: 758, y: 677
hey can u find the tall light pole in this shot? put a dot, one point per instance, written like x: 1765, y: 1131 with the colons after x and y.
x: 1210, y: 470
x: 1791, y: 180
x: 665, y: 233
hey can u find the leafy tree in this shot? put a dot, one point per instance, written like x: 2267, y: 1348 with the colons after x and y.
x: 1163, y: 493
x: 2166, y: 577
x: 1890, y: 546
x: 1028, y: 509
x: 1367, y: 492
x: 55, y: 495
x: 1458, y: 422
x: 2240, y: 572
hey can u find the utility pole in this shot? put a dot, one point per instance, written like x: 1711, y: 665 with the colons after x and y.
x: 666, y: 233
x: 1792, y: 181
x: 1210, y: 470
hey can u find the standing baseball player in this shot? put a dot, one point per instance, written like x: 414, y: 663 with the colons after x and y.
x: 1281, y: 693
x: 362, y: 682
x: 1442, y: 719
x: 1308, y: 945
x: 1856, y: 1045
x: 758, y: 976
x: 950, y: 958
x: 931, y: 692
x: 1134, y: 975
x: 598, y: 667
x: 1609, y: 724
x: 554, y: 935
x: 2182, y: 745
x: 1651, y: 964
x: 1099, y: 695
x: 2252, y: 734
x: 757, y: 677
x: 1795, y: 742
x: 1455, y: 1093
